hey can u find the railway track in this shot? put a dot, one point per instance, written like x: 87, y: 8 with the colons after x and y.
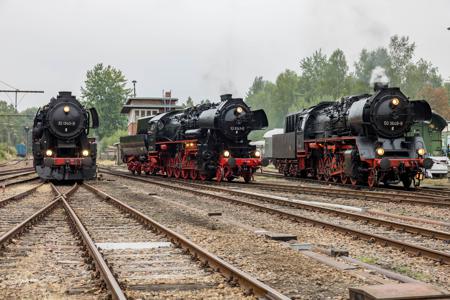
x: 168, y: 256
x: 424, y: 196
x: 16, y: 171
x: 281, y: 210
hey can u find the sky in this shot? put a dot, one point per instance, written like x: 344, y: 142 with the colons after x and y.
x: 199, y: 48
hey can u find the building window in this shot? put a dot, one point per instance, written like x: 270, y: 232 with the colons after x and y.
x: 149, y: 112
x: 154, y: 112
x: 136, y: 115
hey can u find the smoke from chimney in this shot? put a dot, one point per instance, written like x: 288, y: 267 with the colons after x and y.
x: 378, y: 78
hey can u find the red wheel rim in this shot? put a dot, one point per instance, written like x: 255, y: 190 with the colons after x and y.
x: 202, y: 177
x: 176, y: 168
x: 194, y: 174
x: 170, y: 168
x: 185, y: 174
x: 219, y: 174
x: 335, y: 178
x: 371, y: 179
x: 353, y: 181
x: 344, y: 178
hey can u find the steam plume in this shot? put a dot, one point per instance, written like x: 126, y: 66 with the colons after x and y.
x: 378, y: 76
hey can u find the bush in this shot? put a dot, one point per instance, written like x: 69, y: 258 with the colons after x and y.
x: 111, y: 140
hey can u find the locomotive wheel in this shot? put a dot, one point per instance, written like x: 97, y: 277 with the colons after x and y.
x: 406, y: 182
x: 177, y: 168
x: 185, y: 173
x: 194, y: 174
x: 247, y: 177
x: 219, y: 174
x: 335, y: 178
x: 326, y: 170
x: 170, y: 168
x: 344, y: 178
x: 353, y: 181
x: 372, y: 178
x: 202, y: 177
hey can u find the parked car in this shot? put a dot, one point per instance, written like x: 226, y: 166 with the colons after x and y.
x: 440, y: 167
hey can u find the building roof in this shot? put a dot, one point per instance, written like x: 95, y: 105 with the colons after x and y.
x: 126, y: 108
x: 149, y: 98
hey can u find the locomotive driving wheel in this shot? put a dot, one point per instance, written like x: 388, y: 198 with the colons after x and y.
x: 372, y: 179
x: 327, y: 169
x: 353, y: 181
x: 344, y: 178
x: 320, y: 169
x: 219, y: 174
x: 177, y: 167
x: 185, y: 173
x: 170, y: 168
x: 194, y: 174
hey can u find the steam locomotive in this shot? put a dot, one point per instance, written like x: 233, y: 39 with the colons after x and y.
x: 201, y: 142
x: 61, y: 147
x: 358, y: 139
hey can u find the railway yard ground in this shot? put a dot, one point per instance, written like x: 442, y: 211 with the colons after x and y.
x: 148, y: 237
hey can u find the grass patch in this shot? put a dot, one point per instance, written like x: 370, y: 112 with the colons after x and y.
x: 411, y: 273
x: 368, y: 260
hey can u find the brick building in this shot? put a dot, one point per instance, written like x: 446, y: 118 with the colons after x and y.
x: 138, y: 107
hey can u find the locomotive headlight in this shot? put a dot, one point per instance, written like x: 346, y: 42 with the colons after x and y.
x: 239, y: 110
x: 257, y: 153
x: 395, y: 101
x: 380, y: 151
x: 421, y: 151
x: 226, y: 153
x: 85, y: 153
x: 66, y: 109
x: 49, y: 152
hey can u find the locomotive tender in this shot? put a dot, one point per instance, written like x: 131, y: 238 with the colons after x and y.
x: 201, y: 142
x: 61, y: 147
x: 357, y: 139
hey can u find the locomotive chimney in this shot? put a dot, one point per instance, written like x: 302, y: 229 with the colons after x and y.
x: 379, y: 86
x: 225, y: 97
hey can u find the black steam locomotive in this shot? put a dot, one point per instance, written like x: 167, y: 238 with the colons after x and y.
x: 200, y: 142
x: 361, y: 139
x: 61, y: 147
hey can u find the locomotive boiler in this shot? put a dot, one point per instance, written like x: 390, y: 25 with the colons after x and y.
x: 62, y: 149
x: 357, y: 139
x: 201, y: 142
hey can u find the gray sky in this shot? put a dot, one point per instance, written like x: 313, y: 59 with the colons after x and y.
x: 199, y: 48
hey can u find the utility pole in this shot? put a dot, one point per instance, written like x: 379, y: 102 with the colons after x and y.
x: 16, y: 91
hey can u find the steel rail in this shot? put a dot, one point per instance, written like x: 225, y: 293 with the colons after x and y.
x: 29, y: 221
x: 15, y: 171
x: 232, y: 273
x: 5, y: 183
x: 436, y: 255
x: 428, y: 192
x: 20, y: 195
x: 365, y: 195
x: 105, y: 272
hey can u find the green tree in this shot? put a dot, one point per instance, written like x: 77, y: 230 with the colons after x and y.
x: 105, y: 89
x: 257, y: 86
x: 189, y: 102
x: 419, y: 75
x: 401, y: 52
x: 312, y: 77
x: 335, y: 77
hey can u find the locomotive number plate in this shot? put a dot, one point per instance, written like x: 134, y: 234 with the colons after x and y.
x: 66, y: 123
x: 393, y: 123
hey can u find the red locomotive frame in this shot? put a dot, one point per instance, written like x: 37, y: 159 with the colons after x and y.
x: 167, y: 161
